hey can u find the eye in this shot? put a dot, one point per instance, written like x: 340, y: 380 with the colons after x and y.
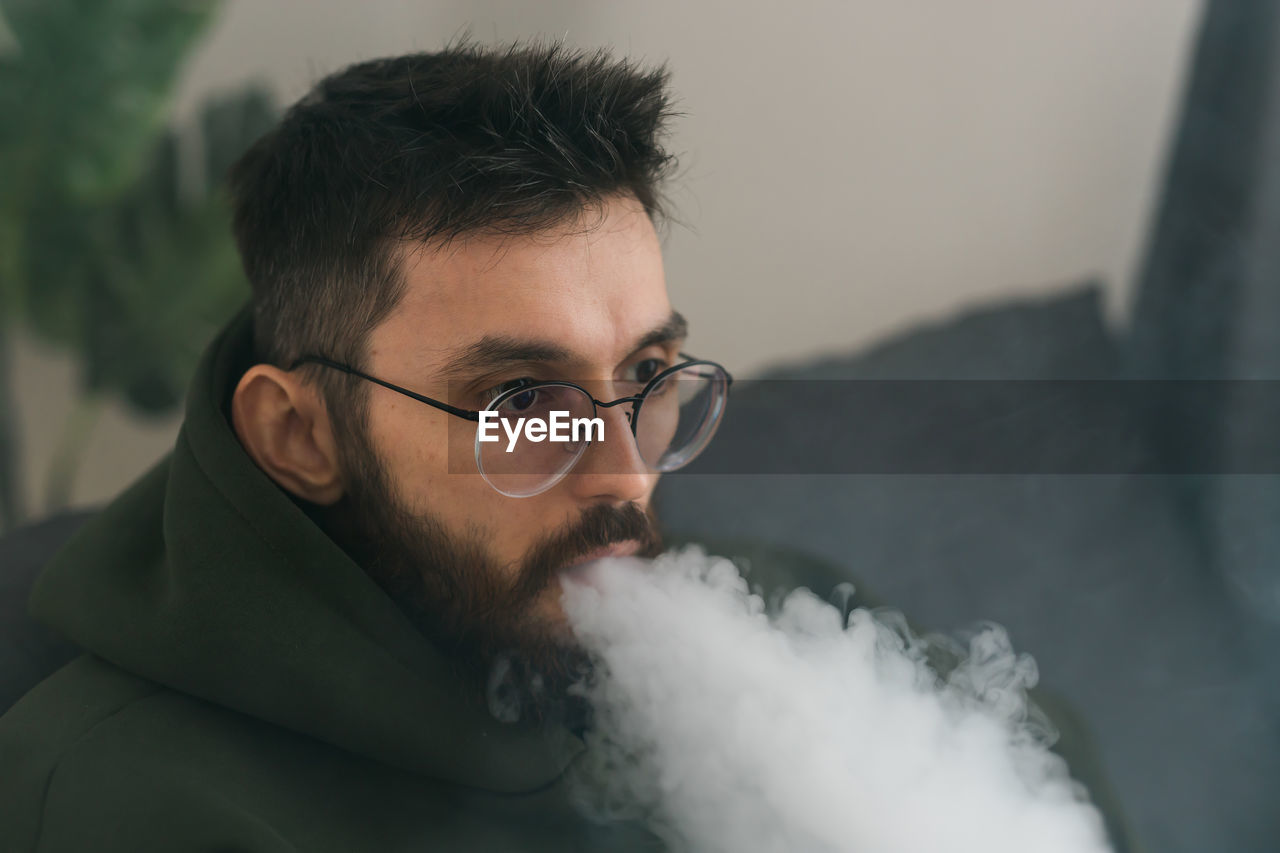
x: 644, y: 371
x: 522, y: 401
x: 516, y: 402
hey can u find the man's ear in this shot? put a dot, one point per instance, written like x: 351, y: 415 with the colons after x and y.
x: 284, y: 427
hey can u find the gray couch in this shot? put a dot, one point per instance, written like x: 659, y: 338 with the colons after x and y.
x: 1100, y: 577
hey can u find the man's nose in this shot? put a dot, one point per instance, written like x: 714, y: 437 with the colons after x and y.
x: 613, y: 468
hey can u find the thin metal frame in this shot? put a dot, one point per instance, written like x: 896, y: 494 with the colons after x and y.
x: 474, y: 415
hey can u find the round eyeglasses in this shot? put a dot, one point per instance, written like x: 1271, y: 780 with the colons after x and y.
x: 672, y: 418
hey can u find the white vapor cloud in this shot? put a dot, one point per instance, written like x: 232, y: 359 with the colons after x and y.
x: 730, y: 726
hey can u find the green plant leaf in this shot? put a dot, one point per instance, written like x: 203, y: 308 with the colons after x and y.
x: 167, y: 274
x: 84, y: 95
x: 138, y: 284
x: 229, y: 124
x: 154, y: 311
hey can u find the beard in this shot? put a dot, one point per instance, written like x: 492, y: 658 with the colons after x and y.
x: 473, y: 607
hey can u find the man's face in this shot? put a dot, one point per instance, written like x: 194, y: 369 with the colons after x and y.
x: 585, y: 302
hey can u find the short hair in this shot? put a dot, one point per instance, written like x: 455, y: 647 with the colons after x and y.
x: 430, y: 147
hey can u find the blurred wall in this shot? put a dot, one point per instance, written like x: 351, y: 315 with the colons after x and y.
x: 848, y: 168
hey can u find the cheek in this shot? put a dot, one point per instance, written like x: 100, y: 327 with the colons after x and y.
x: 430, y: 458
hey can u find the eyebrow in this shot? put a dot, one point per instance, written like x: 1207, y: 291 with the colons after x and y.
x: 496, y: 351
x: 676, y: 328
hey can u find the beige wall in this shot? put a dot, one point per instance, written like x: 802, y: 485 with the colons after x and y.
x: 849, y: 168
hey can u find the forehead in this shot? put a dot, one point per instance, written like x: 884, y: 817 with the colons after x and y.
x: 592, y: 287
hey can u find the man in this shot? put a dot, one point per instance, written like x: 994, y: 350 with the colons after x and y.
x: 297, y: 624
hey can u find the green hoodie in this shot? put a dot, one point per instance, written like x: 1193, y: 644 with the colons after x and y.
x: 249, y: 688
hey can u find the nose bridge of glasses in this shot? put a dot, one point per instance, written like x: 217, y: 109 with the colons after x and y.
x: 628, y: 402
x: 608, y: 393
x: 616, y: 452
x: 673, y: 430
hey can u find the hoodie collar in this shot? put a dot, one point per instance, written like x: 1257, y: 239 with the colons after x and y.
x: 205, y: 577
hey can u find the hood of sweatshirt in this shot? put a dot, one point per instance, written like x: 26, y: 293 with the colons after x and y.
x: 205, y: 577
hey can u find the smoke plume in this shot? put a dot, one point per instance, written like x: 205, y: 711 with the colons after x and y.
x: 732, y: 726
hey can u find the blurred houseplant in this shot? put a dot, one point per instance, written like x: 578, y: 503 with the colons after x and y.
x: 114, y: 232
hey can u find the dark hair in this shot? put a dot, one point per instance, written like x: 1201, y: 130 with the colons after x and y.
x: 426, y: 147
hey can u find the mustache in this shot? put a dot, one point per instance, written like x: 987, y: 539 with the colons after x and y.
x: 599, y: 527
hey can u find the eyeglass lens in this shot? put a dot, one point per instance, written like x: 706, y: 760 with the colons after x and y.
x: 676, y: 420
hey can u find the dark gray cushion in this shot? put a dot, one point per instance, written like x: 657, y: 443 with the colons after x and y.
x: 1098, y: 577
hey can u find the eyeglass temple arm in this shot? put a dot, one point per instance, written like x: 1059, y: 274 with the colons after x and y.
x: 469, y: 414
x: 693, y: 359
